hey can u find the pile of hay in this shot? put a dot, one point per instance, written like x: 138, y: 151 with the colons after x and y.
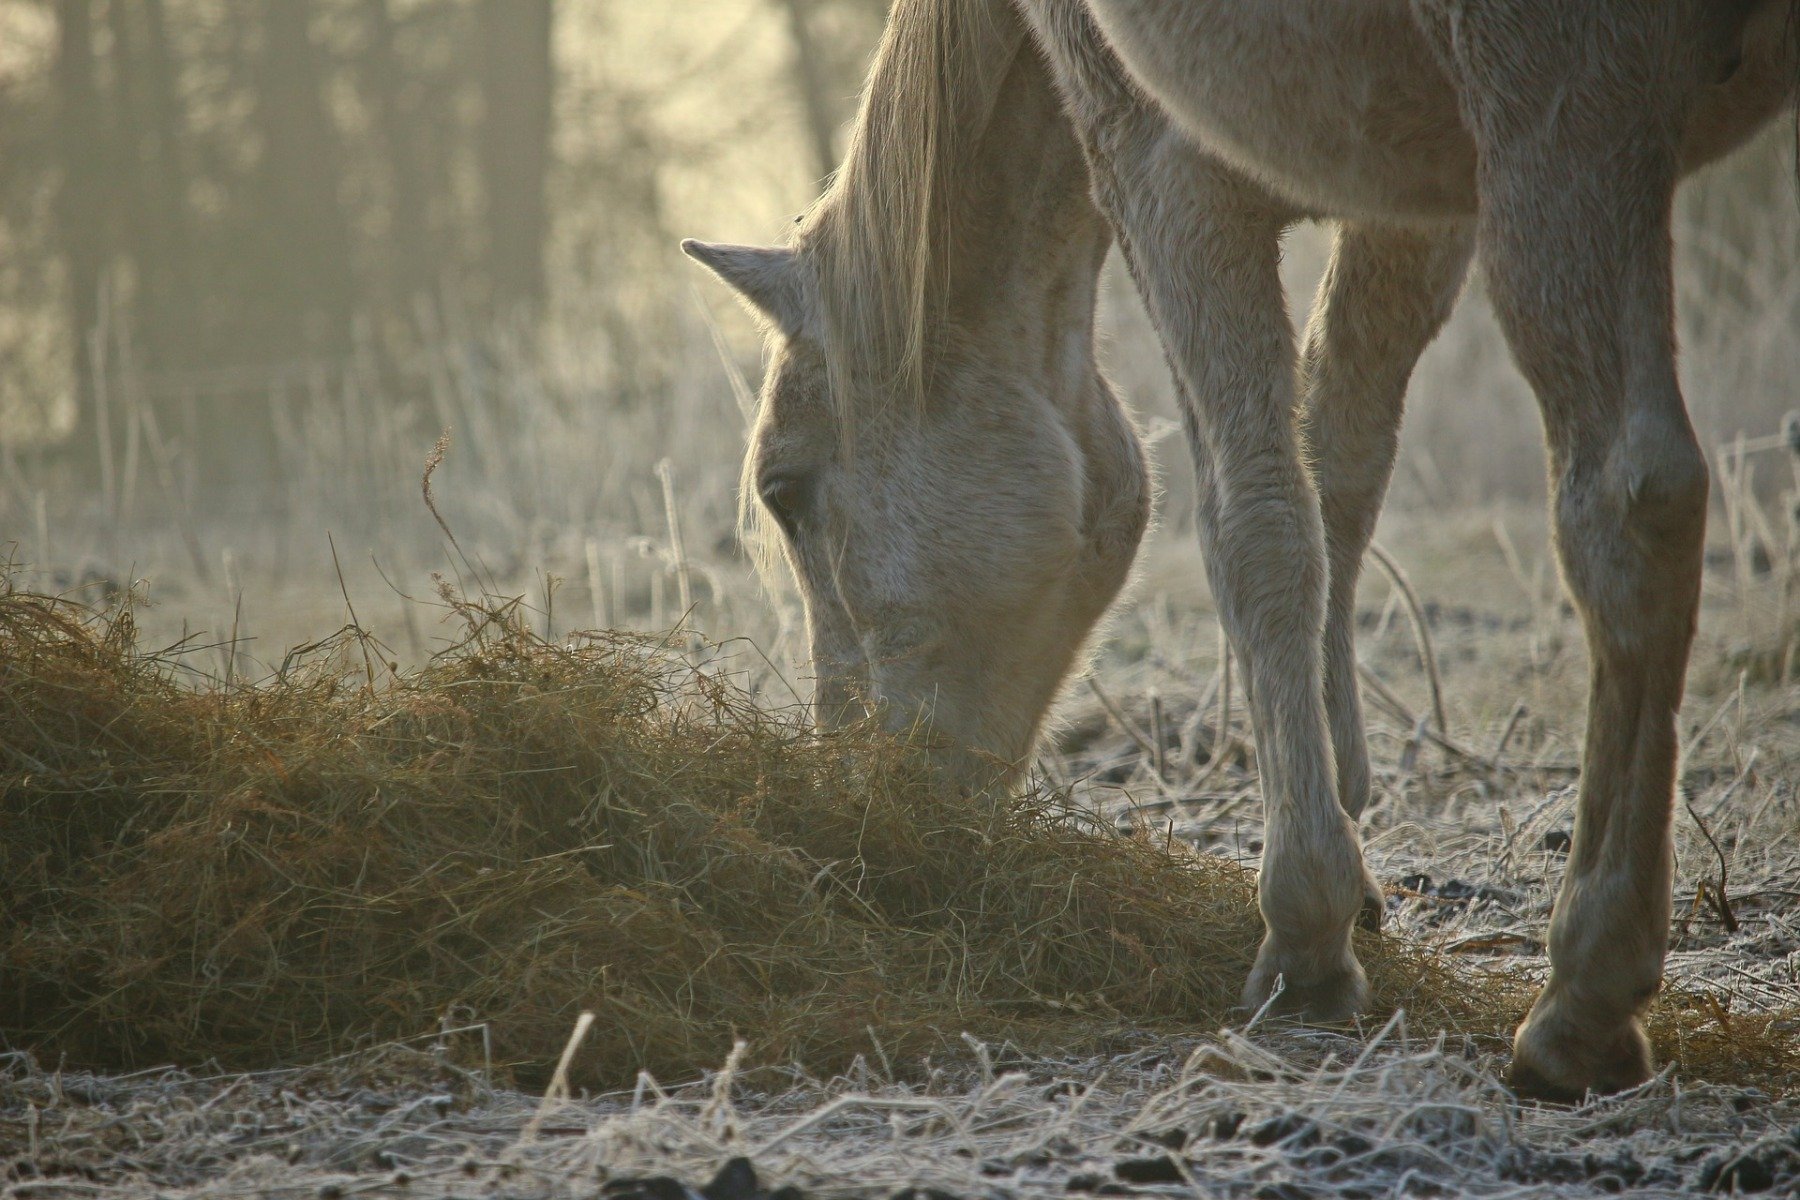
x: 265, y: 874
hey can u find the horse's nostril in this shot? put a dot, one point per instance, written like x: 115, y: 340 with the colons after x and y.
x: 787, y: 497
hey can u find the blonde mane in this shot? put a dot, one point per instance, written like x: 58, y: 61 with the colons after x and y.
x: 880, y: 238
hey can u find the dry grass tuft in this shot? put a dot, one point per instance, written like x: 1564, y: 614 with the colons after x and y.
x: 264, y: 874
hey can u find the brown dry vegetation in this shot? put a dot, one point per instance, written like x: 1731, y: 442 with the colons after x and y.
x: 263, y: 874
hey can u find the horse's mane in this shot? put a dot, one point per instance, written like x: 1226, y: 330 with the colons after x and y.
x: 880, y: 238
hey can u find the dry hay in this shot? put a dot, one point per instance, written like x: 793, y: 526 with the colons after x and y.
x: 262, y: 874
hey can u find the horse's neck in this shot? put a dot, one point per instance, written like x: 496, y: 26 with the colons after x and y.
x: 964, y: 204
x: 1026, y: 241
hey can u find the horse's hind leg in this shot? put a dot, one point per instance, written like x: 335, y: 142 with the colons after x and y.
x: 1578, y: 170
x: 1383, y: 298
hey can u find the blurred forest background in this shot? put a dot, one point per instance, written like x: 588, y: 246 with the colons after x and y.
x: 256, y: 254
x: 217, y: 195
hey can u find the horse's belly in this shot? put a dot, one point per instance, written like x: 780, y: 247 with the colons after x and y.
x: 1341, y: 108
x: 1338, y: 106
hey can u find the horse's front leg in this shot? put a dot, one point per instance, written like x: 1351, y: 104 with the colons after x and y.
x: 1203, y: 245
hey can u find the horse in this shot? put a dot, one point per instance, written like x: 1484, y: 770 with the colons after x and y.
x: 960, y: 494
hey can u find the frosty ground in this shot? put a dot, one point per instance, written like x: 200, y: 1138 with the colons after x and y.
x: 1468, y: 834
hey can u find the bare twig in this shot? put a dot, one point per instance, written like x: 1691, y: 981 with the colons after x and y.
x: 434, y: 460
x: 1512, y: 723
x: 1125, y: 724
x: 1398, y: 709
x: 1421, y: 634
x: 1157, y: 735
x: 684, y: 585
x: 1715, y: 893
x: 356, y: 625
x: 559, y: 1082
x: 1222, y: 735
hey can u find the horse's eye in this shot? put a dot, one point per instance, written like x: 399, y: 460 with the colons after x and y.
x: 787, y: 498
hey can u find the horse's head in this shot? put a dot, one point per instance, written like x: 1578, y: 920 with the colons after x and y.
x: 957, y: 538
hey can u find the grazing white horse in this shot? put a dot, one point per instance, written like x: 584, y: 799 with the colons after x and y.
x: 961, y: 496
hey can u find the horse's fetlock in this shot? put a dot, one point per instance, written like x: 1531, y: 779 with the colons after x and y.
x: 1316, y: 894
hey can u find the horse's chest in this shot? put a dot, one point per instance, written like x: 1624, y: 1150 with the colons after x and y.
x: 1339, y: 107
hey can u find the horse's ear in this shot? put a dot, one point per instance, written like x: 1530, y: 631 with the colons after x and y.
x: 764, y: 277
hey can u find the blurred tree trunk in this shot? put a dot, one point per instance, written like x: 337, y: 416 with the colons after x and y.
x: 300, y: 223
x: 412, y: 269
x: 150, y: 129
x: 166, y: 126
x: 811, y: 73
x: 518, y: 92
x: 81, y: 203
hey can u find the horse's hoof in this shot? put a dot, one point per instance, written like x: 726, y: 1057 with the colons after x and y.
x: 1560, y: 1065
x: 1325, y: 996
